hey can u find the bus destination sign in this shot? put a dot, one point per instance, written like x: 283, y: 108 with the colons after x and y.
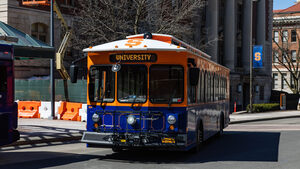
x: 133, y: 57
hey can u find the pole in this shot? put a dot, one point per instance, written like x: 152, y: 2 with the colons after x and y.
x: 251, y: 57
x: 52, y: 62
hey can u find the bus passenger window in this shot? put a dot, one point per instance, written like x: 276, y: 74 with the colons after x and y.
x: 101, y: 84
x: 202, y: 86
x: 208, y: 88
x: 199, y: 88
x: 3, y: 79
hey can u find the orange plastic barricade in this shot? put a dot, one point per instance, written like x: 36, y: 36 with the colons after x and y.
x: 29, y: 109
x: 69, y: 111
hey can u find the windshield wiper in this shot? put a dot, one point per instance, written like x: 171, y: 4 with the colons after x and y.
x: 171, y: 98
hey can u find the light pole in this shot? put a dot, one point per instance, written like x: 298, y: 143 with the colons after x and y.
x: 251, y: 57
x: 52, y: 62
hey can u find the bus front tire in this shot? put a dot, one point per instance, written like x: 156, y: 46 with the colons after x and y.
x: 117, y: 149
x: 199, y: 140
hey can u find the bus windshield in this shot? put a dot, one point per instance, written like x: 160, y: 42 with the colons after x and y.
x: 132, y: 84
x: 102, y: 84
x: 166, y: 84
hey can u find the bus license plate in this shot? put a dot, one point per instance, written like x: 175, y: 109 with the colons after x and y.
x: 168, y: 140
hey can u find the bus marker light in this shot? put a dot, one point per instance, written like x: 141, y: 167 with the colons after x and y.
x: 96, y: 125
x: 172, y: 127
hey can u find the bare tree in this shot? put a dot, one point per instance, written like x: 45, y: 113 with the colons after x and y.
x: 101, y: 21
x: 286, y: 56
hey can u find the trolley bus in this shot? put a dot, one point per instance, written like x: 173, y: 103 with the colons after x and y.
x: 153, y: 91
x: 8, y: 108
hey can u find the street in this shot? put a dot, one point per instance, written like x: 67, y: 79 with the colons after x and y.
x: 270, y: 144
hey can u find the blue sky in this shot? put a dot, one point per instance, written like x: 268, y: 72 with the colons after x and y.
x: 282, y: 4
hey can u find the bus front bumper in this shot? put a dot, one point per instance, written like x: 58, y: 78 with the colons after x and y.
x: 135, y: 139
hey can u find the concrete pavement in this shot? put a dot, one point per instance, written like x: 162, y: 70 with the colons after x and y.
x: 35, y: 131
x: 250, y: 117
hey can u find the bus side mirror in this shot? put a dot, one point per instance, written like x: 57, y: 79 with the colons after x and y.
x: 73, y: 73
x: 194, y: 76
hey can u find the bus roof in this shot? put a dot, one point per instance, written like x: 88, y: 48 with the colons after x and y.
x: 137, y: 44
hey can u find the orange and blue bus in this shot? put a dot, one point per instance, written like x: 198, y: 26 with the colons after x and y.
x: 8, y: 107
x: 153, y: 91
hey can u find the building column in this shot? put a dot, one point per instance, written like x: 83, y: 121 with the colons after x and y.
x: 230, y: 34
x: 212, y: 18
x: 261, y: 22
x: 246, y: 35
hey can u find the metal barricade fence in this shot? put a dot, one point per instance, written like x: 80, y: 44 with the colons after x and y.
x: 39, y: 90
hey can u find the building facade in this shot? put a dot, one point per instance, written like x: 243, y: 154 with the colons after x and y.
x: 223, y: 28
x: 285, y: 46
x: 35, y: 20
x: 227, y: 31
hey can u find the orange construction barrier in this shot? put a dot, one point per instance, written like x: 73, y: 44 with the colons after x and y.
x: 29, y: 109
x: 70, y: 111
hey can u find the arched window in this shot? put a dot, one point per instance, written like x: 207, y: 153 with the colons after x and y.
x: 40, y: 31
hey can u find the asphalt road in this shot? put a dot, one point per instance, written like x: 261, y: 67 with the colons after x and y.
x: 256, y: 145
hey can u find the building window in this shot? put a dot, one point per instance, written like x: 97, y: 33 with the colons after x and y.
x: 293, y: 36
x: 292, y: 81
x: 275, y: 57
x: 275, y: 81
x: 284, y: 57
x: 285, y: 36
x: 39, y: 31
x: 283, y: 82
x: 294, y: 55
x: 276, y: 36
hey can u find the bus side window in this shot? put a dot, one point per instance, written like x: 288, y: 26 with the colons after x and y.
x: 216, y: 87
x: 212, y: 87
x: 202, y: 86
x: 199, y: 88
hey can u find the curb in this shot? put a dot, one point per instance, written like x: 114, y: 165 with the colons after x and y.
x: 263, y: 119
x: 28, y: 141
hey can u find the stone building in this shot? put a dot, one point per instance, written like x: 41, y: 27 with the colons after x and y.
x: 34, y: 21
x: 286, y: 32
x: 227, y: 28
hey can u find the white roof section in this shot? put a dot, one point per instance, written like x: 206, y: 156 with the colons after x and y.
x: 135, y: 45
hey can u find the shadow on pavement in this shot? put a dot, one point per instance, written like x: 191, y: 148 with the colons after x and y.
x: 232, y: 146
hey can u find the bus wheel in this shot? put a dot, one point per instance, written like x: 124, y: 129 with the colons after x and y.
x: 117, y: 149
x: 199, y: 140
x: 220, y: 133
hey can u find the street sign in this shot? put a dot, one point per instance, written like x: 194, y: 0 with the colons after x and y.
x: 257, y: 56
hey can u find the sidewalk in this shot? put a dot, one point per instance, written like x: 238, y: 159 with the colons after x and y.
x: 247, y: 117
x: 35, y: 131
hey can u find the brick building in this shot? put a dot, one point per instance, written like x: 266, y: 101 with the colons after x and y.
x: 285, y: 46
x: 35, y: 21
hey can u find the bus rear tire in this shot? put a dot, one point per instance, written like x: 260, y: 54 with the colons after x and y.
x: 221, y: 131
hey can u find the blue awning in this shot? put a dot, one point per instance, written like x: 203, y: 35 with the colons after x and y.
x: 23, y: 44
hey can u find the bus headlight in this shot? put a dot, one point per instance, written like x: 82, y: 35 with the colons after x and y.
x: 171, y: 119
x: 131, y: 120
x: 96, y: 118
